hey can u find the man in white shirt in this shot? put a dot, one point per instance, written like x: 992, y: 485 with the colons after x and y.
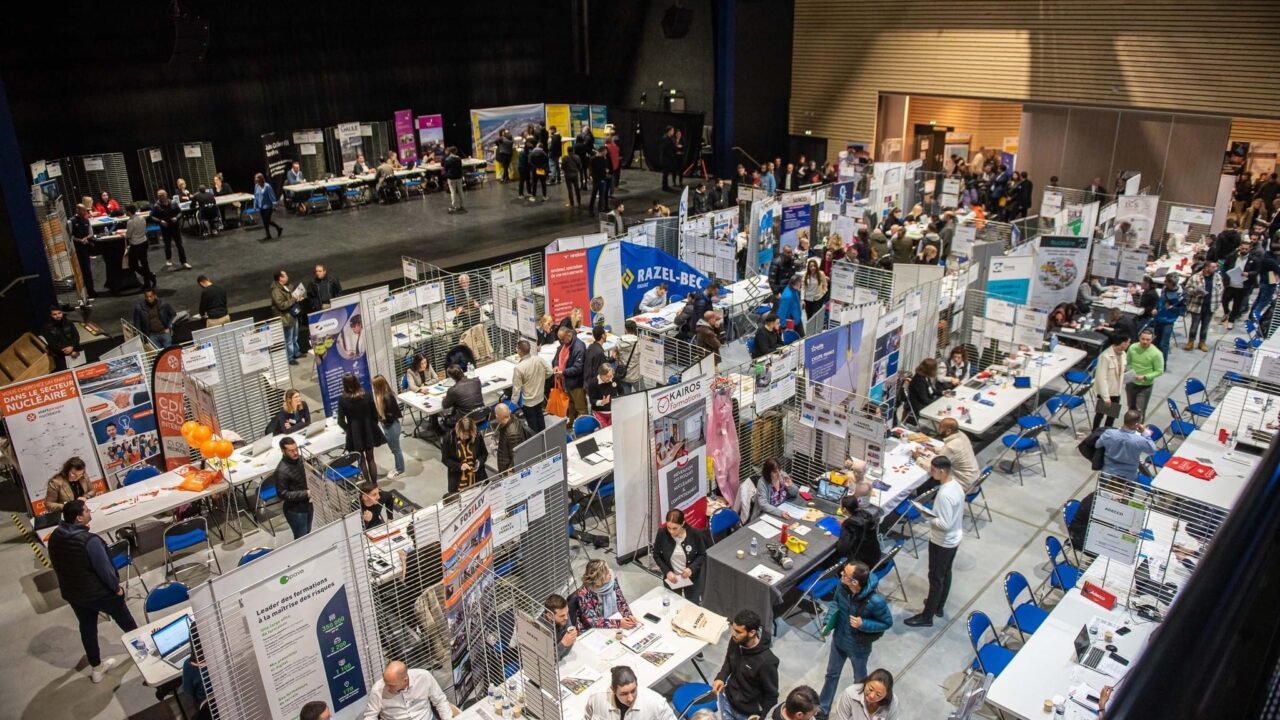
x: 625, y: 698
x: 404, y: 694
x: 945, y: 531
x: 655, y: 299
x: 529, y: 385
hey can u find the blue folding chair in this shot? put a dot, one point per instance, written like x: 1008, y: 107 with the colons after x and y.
x: 691, y: 697
x: 1200, y: 409
x: 908, y: 515
x: 1178, y: 427
x: 185, y: 535
x: 121, y: 555
x: 585, y: 425
x: 888, y: 563
x: 977, y: 494
x: 819, y: 587
x: 1078, y: 381
x: 789, y: 336
x: 1067, y: 404
x: 163, y: 597
x: 268, y: 494
x: 140, y: 473
x: 751, y: 346
x: 1025, y: 443
x: 723, y: 521
x: 990, y: 656
x: 1025, y: 616
x: 252, y: 555
x: 1062, y: 574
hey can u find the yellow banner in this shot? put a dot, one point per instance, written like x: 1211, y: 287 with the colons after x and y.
x: 558, y: 118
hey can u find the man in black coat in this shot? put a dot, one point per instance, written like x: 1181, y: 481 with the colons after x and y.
x: 781, y: 270
x: 88, y: 581
x: 555, y: 149
x: 768, y: 336
x: 291, y: 485
x: 584, y: 146
x: 667, y: 156
x: 168, y: 215
x: 61, y: 338
x: 601, y: 175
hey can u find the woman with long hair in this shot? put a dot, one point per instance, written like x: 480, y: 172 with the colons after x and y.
x: 464, y: 453
x: 923, y: 388
x: 357, y: 415
x: 388, y: 406
x: 815, y: 287
x: 71, y: 483
x: 420, y: 375
x: 293, y: 415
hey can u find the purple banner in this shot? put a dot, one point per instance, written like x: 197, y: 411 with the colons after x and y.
x: 405, y: 143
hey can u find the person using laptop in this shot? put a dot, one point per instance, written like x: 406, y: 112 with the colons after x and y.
x: 680, y: 554
x: 945, y: 532
x: 776, y: 489
x: 293, y: 415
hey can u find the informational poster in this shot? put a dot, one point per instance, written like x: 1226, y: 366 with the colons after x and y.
x: 652, y: 364
x: 1133, y: 266
x: 201, y: 361
x: 430, y: 131
x: 1009, y: 278
x: 796, y: 219
x: 527, y: 317
x: 467, y: 556
x: 1111, y: 542
x: 1079, y: 220
x: 683, y: 211
x: 93, y: 164
x: 406, y: 143
x: 1191, y: 215
x: 884, y: 360
x: 843, y: 278
x: 1061, y: 263
x: 1105, y: 263
x: 337, y: 336
x: 350, y: 144
x: 832, y: 359
x: 167, y: 379
x: 1139, y: 212
x: 46, y: 424
x: 611, y: 278
x: 117, y: 402
x: 761, y: 233
x: 950, y: 195
x: 775, y: 378
x: 278, y: 152
x: 1050, y: 203
x: 677, y: 417
x: 304, y: 637
x: 962, y: 241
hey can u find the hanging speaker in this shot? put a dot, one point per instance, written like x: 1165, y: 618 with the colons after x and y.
x: 676, y: 21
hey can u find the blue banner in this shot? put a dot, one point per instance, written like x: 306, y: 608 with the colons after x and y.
x: 795, y: 223
x: 831, y: 357
x: 644, y: 267
x: 337, y: 336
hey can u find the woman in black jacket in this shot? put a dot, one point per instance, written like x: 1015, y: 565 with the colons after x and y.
x: 681, y: 553
x: 358, y: 416
x: 292, y: 417
x: 463, y: 452
x: 923, y: 388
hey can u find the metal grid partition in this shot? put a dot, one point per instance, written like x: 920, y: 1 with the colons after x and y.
x: 247, y: 386
x: 1147, y: 541
x: 420, y: 611
x: 68, y: 286
x: 918, y: 292
x: 666, y: 235
x: 90, y: 175
x: 154, y: 165
x: 315, y: 164
x: 193, y: 161
x: 236, y: 685
x: 375, y: 143
x: 988, y: 341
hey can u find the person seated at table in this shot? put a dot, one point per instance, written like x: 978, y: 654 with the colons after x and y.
x: 859, y: 537
x: 394, y: 160
x: 372, y: 507
x: 655, y: 299
x: 107, y: 205
x: 681, y: 554
x: 625, y: 698
x: 292, y: 417
x: 556, y: 611
x: 294, y: 175
x: 957, y: 448
x: 923, y: 388
x: 1147, y: 298
x: 205, y: 206
x: 361, y: 166
x: 601, y: 391
x: 466, y: 395
x: 181, y: 193
x: 315, y: 710
x: 776, y: 489
x: 405, y: 693
x: 1063, y: 316
x: 546, y: 331
x: 1119, y: 321
x: 957, y: 367
x: 71, y: 483
x: 1124, y: 448
x: 420, y: 376
x: 768, y: 336
x: 573, y: 320
x: 600, y: 601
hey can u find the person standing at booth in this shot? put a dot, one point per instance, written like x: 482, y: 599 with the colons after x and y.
x: 61, y: 338
x: 291, y: 484
x: 452, y: 166
x: 1109, y: 380
x: 464, y: 453
x: 389, y: 416
x: 82, y: 238
x: 285, y: 307
x: 168, y: 214
x: 135, y: 240
x: 681, y: 555
x: 529, y: 383
x: 945, y: 533
x: 357, y: 415
x: 569, y: 366
x: 213, y: 302
x: 154, y: 318
x: 747, y: 683
x: 88, y: 582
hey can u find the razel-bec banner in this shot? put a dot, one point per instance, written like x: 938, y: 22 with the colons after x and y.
x: 277, y: 149
x: 796, y: 223
x: 1061, y: 262
x: 406, y: 144
x: 337, y: 336
x: 117, y: 401
x: 47, y: 427
x: 168, y: 383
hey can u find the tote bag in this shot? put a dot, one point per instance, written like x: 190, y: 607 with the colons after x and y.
x: 558, y: 400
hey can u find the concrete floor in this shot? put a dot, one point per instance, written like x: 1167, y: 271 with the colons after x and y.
x: 49, y: 680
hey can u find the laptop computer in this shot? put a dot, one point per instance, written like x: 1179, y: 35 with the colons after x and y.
x: 259, y: 446
x: 314, y: 429
x: 173, y: 641
x: 1095, y: 657
x: 830, y: 491
x: 589, y: 451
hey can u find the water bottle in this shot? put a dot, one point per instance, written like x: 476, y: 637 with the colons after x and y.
x: 755, y: 547
x: 1093, y: 628
x: 506, y: 710
x: 666, y: 600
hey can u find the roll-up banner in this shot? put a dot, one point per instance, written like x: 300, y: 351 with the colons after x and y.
x: 406, y: 144
x: 337, y: 336
x: 677, y: 419
x: 486, y: 123
x: 430, y: 131
x: 46, y: 425
x: 168, y: 385
x: 122, y: 420
x: 278, y: 151
x: 796, y: 218
x: 1061, y: 263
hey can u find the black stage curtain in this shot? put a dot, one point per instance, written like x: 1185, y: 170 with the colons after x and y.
x: 654, y: 124
x: 624, y: 124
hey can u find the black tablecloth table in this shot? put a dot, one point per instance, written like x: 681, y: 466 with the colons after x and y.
x: 730, y: 589
x: 119, y: 276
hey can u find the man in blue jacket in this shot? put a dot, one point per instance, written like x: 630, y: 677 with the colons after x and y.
x: 859, y: 616
x: 569, y: 367
x: 1169, y: 307
x: 88, y: 581
x: 790, y: 311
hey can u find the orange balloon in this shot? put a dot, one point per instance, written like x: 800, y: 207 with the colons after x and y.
x: 188, y: 426
x: 209, y: 449
x: 225, y: 449
x: 201, y: 434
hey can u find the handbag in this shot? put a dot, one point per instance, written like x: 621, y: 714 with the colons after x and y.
x: 558, y: 400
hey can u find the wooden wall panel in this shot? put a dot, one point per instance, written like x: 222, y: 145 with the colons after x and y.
x: 1198, y: 56
x: 1252, y: 130
x: 987, y: 122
